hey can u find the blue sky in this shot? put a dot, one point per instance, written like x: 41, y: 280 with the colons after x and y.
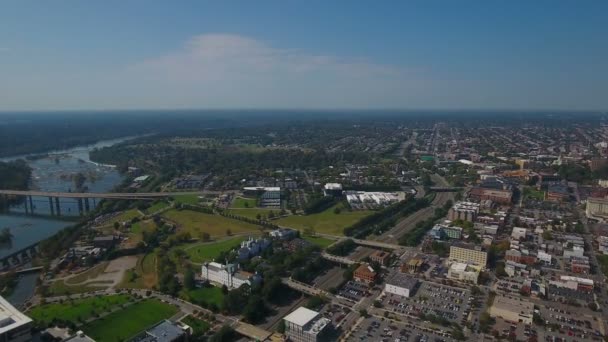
x: 303, y: 54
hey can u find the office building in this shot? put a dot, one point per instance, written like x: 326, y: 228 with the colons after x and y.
x: 464, y: 272
x: 401, y: 285
x: 228, y: 275
x: 14, y: 326
x: 305, y: 325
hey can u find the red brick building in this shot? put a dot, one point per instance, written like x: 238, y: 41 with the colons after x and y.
x: 365, y: 274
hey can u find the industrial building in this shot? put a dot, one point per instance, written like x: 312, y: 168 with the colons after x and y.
x: 14, y: 326
x: 305, y: 325
x: 401, y: 285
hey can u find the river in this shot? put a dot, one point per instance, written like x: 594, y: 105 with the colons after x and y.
x: 53, y: 173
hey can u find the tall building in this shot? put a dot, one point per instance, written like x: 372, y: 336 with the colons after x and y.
x: 305, y: 325
x: 14, y: 326
x: 466, y: 211
x: 597, y: 208
x: 469, y: 255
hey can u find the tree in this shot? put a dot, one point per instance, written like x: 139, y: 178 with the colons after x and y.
x: 205, y: 237
x: 228, y: 232
x: 363, y: 313
x: 189, y: 282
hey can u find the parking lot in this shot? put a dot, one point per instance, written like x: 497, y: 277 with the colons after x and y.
x: 335, y: 313
x: 354, y: 291
x: 445, y: 302
x: 570, y: 323
x: 377, y: 329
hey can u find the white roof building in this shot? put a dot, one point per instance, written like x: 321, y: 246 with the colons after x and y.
x: 14, y: 325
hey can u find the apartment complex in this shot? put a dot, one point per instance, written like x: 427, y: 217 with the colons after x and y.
x: 469, y: 254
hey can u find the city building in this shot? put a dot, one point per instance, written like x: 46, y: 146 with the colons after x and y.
x: 495, y: 195
x: 165, y: 331
x: 580, y: 265
x: 463, y: 272
x: 518, y: 233
x: 602, y: 242
x: 597, y: 208
x: 332, y: 189
x: 401, y: 285
x: 469, y: 254
x: 270, y: 197
x: 413, y: 265
x: 513, y: 269
x: 228, y: 275
x: 465, y: 211
x: 78, y: 337
x: 573, y: 283
x: 380, y: 257
x: 14, y: 326
x: 440, y: 232
x: 375, y: 199
x: 512, y: 309
x: 305, y: 325
x: 365, y: 274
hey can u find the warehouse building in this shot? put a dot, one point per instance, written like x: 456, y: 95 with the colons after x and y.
x: 512, y: 309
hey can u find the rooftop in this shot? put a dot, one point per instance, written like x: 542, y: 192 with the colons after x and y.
x: 402, y: 280
x: 10, y: 317
x: 301, y: 316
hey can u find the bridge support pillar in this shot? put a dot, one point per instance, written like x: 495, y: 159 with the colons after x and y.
x: 57, y: 206
x: 87, y: 208
x: 26, y: 205
x: 51, y: 206
x: 80, y: 208
x: 31, y: 203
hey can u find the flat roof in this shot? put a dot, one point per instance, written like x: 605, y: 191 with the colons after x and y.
x: 10, y: 317
x: 402, y: 280
x: 301, y: 316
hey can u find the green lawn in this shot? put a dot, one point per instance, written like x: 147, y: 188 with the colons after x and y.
x: 205, y: 295
x: 532, y: 193
x: 240, y: 202
x: 207, y: 251
x: 253, y: 213
x: 143, y: 276
x: 135, y: 234
x: 326, y: 222
x: 126, y: 323
x: 186, y: 199
x: 156, y: 207
x: 216, y: 225
x: 79, y: 309
x: 317, y: 240
x: 199, y: 327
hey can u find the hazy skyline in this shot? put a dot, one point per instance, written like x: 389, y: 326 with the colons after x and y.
x: 296, y: 54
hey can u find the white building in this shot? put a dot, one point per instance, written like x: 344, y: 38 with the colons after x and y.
x: 518, y: 233
x: 374, y: 198
x: 463, y: 272
x: 305, y: 325
x: 284, y: 234
x: 252, y: 247
x: 14, y: 326
x: 576, y: 251
x: 603, y: 244
x: 228, y: 275
x: 332, y: 189
x: 544, y: 257
x: 401, y: 285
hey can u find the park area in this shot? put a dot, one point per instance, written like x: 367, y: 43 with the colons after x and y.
x: 143, y: 275
x: 210, y: 297
x: 76, y: 311
x: 196, y: 223
x: 128, y: 322
x: 200, y: 252
x: 325, y: 222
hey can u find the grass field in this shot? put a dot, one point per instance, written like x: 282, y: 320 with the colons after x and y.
x: 206, y: 251
x: 217, y: 226
x: 209, y: 295
x: 143, y: 276
x: 77, y: 310
x: 186, y: 199
x: 123, y: 217
x: 156, y: 207
x: 198, y: 326
x: 240, y: 202
x: 59, y: 287
x: 317, y: 240
x: 532, y: 193
x: 253, y: 213
x: 326, y: 222
x: 126, y: 323
x: 136, y: 232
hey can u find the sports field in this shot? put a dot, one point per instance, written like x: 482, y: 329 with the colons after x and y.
x: 125, y: 324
